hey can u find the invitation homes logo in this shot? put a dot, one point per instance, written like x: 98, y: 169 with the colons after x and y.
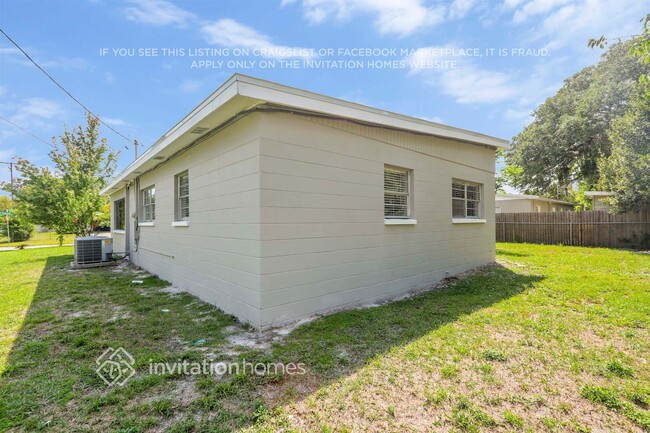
x: 116, y: 367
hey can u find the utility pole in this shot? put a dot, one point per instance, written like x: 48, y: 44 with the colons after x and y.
x: 6, y: 211
x: 135, y: 146
x: 11, y: 174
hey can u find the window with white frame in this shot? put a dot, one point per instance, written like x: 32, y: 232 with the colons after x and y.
x: 149, y: 204
x: 182, y: 197
x: 119, y: 209
x: 466, y: 199
x: 397, y: 200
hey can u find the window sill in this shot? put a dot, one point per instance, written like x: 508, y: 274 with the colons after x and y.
x: 180, y: 223
x: 147, y: 224
x: 119, y: 232
x: 400, y: 222
x: 468, y: 220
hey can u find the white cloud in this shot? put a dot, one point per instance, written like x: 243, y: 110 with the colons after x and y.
x: 158, y: 13
x: 434, y: 119
x: 224, y: 32
x: 37, y: 108
x: 514, y: 92
x: 6, y: 155
x: 8, y: 50
x: 470, y: 84
x: 570, y: 23
x: 521, y: 116
x: 467, y: 83
x: 67, y: 63
x: 109, y: 77
x: 34, y: 114
x: 114, y: 121
x: 191, y: 86
x: 460, y: 8
x: 391, y: 17
x: 536, y: 7
x: 14, y: 56
x: 231, y: 34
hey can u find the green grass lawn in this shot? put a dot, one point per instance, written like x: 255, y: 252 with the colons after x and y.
x: 552, y: 339
x: 45, y: 238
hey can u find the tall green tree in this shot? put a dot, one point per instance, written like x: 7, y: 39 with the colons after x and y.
x: 570, y: 131
x: 66, y: 198
x: 626, y: 172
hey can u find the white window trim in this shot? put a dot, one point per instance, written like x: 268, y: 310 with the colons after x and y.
x: 468, y: 219
x: 184, y: 223
x: 400, y: 222
x: 408, y: 219
x: 177, y: 198
x: 144, y: 213
x: 147, y: 224
x: 119, y: 231
x: 123, y: 200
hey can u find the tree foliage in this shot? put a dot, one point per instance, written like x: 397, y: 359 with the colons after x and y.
x: 66, y: 198
x: 570, y: 131
x: 19, y: 228
x: 626, y: 172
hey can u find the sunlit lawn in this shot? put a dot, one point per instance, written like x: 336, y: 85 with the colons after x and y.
x: 45, y: 238
x: 552, y: 339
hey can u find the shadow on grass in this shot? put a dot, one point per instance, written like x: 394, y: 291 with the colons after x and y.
x: 508, y: 253
x: 50, y: 378
x: 363, y: 334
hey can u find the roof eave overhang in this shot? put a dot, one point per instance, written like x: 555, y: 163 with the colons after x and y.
x: 240, y: 93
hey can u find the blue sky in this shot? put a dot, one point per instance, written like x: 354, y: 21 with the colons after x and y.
x: 144, y: 95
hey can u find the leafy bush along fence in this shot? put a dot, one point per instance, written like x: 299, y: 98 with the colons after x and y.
x: 589, y: 229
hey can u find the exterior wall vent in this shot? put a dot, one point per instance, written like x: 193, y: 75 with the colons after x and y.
x: 199, y: 130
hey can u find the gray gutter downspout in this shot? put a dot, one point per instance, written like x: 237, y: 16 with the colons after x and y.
x: 127, y: 221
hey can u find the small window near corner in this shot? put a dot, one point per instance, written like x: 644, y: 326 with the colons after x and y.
x: 149, y: 204
x: 119, y: 214
x: 466, y: 199
x: 182, y: 208
x: 397, y: 193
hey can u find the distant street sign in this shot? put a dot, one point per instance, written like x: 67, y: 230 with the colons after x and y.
x: 7, y: 212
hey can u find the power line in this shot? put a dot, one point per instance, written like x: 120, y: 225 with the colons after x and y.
x: 25, y: 131
x: 63, y: 88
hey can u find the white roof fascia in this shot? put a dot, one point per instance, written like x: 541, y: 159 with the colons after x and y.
x: 267, y: 91
x: 598, y: 193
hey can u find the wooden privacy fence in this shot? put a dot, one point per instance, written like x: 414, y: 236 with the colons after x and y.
x: 592, y: 228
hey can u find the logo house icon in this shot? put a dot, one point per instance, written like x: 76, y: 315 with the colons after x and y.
x: 115, y: 366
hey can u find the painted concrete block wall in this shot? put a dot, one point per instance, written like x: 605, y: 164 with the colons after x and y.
x: 546, y: 206
x: 119, y: 236
x: 324, y: 244
x: 523, y: 205
x: 530, y: 205
x: 217, y: 256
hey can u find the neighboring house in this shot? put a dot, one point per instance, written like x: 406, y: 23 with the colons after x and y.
x: 509, y: 203
x: 275, y: 203
x: 597, y: 197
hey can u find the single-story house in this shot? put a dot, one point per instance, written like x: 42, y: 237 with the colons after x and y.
x: 598, y: 199
x: 275, y: 203
x: 515, y: 203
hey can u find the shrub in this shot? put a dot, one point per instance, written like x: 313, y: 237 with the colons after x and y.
x: 20, y: 229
